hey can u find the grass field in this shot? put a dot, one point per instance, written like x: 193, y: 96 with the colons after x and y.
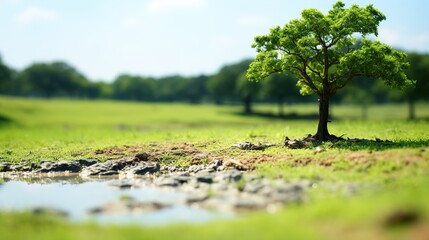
x: 34, y: 130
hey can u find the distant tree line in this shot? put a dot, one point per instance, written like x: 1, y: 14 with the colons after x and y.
x: 228, y: 85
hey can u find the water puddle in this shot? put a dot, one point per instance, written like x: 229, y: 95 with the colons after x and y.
x: 77, y: 198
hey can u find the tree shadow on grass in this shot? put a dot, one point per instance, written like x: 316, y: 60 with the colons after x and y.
x: 290, y: 116
x: 380, y: 146
x: 4, y: 120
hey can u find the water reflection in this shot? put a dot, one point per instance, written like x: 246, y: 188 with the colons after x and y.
x: 76, y: 196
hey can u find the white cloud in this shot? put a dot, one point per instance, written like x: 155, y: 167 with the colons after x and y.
x: 251, y: 21
x: 404, y: 40
x: 35, y: 14
x: 163, y: 5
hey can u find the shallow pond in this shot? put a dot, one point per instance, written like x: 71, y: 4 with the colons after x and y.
x: 77, y: 197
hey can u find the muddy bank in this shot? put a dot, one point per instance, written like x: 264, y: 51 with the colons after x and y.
x: 216, y: 186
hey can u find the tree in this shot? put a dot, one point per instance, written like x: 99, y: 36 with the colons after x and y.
x: 6, y: 77
x: 223, y: 85
x: 279, y: 87
x: 52, y: 79
x: 247, y: 91
x: 319, y: 49
x: 127, y: 87
x: 419, y: 70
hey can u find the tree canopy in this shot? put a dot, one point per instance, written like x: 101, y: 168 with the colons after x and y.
x: 321, y: 50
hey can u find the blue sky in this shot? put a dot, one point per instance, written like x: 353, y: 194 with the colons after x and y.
x: 103, y: 38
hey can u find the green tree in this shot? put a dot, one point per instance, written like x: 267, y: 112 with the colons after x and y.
x: 419, y: 70
x: 6, y: 78
x: 319, y: 49
x: 360, y: 92
x: 127, y: 87
x: 247, y: 91
x: 279, y: 87
x: 222, y: 85
x: 52, y: 79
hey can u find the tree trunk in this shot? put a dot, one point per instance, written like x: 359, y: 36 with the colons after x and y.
x: 322, y: 129
x: 248, y: 105
x: 411, y: 109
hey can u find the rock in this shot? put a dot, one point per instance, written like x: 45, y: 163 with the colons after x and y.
x: 215, y: 165
x: 286, y: 198
x: 142, y: 156
x: 85, y: 162
x: 62, y: 166
x: 128, y: 206
x: 5, y: 167
x: 249, y: 203
x: 101, y: 169
x: 290, y: 188
x: 122, y: 184
x: 253, y: 187
x: 228, y: 176
x: 251, y: 146
x: 204, y: 177
x: 181, y: 177
x: 110, y: 167
x: 195, y: 168
x: 196, y: 198
x: 167, y: 182
x: 319, y: 149
x: 145, y: 168
x: 294, y: 144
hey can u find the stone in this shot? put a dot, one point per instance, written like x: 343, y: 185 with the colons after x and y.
x: 251, y: 146
x: 142, y: 156
x: 85, y: 162
x: 290, y: 188
x: 101, y: 169
x: 294, y: 144
x: 195, y: 168
x: 196, y: 198
x: 110, y: 167
x: 128, y: 206
x: 214, y: 166
x: 122, y: 184
x: 166, y: 182
x: 318, y: 149
x: 253, y: 187
x: 5, y: 167
x: 181, y: 177
x: 62, y: 166
x: 145, y: 168
x: 204, y: 177
x: 228, y: 176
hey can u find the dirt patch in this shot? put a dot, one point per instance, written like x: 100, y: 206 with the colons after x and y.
x: 249, y: 162
x: 246, y: 159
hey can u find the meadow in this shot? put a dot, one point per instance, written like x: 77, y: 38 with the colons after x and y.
x: 32, y: 130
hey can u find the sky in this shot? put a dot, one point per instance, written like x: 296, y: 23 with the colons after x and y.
x: 105, y: 38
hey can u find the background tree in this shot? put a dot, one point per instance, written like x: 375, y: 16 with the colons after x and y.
x: 222, y: 85
x: 419, y: 70
x: 319, y: 49
x: 280, y: 87
x: 127, y: 87
x: 52, y: 79
x: 196, y: 89
x: 247, y: 91
x: 5, y: 78
x: 360, y: 92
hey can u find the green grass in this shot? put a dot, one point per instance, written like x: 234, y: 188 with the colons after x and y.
x: 32, y: 130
